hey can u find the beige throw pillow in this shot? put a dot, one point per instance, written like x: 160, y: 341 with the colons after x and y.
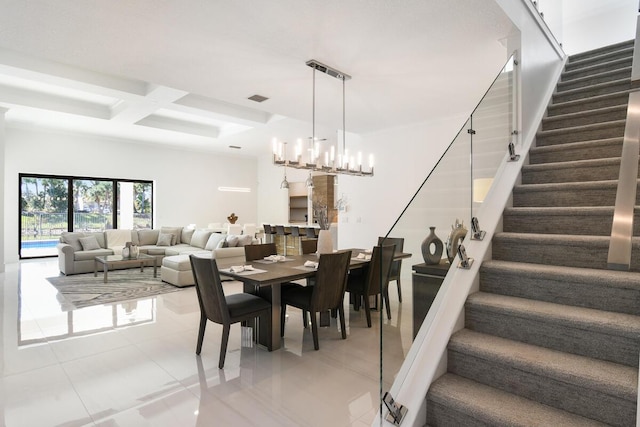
x: 89, y: 243
x: 165, y: 239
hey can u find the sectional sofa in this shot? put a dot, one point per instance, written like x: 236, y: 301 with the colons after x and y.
x: 77, y: 250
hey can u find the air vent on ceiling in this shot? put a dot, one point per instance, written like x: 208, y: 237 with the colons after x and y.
x: 235, y: 146
x: 258, y: 98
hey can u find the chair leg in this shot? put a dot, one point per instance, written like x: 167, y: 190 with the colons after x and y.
x: 314, y: 330
x: 305, y: 322
x: 203, y: 325
x: 223, y: 345
x: 385, y: 301
x: 342, y: 322
x: 283, y: 316
x: 399, y: 289
x: 367, y: 310
x: 356, y: 301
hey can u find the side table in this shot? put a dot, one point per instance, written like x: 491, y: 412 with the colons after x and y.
x: 426, y: 282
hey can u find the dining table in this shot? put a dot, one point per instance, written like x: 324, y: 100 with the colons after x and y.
x: 266, y: 276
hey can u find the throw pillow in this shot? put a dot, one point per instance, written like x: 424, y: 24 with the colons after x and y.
x: 232, y: 240
x: 164, y: 239
x: 73, y: 239
x: 176, y: 231
x: 200, y: 238
x: 214, y: 240
x: 89, y: 243
x: 148, y: 237
x: 187, y: 234
x: 245, y: 239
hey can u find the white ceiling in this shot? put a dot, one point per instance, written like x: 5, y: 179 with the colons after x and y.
x: 180, y: 72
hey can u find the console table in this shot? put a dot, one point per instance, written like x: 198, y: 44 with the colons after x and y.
x: 426, y: 282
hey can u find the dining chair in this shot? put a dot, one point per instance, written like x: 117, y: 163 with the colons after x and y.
x: 259, y: 251
x: 375, y: 281
x: 327, y: 293
x: 308, y: 246
x: 310, y: 232
x: 234, y: 229
x: 250, y: 229
x: 396, y: 265
x: 221, y: 309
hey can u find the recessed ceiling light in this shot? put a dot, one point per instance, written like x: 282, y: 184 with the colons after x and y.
x: 235, y: 147
x: 258, y: 98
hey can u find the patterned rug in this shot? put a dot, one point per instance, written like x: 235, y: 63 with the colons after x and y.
x: 84, y: 290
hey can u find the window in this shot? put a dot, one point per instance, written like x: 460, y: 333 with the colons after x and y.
x: 50, y: 205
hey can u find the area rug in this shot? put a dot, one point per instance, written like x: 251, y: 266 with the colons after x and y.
x: 84, y: 290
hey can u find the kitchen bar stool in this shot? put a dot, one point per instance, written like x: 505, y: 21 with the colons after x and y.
x: 268, y: 233
x: 280, y: 231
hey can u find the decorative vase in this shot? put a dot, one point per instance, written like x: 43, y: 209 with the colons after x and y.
x: 125, y: 252
x: 325, y: 242
x: 458, y: 232
x: 432, y: 241
x: 134, y: 251
x: 232, y: 218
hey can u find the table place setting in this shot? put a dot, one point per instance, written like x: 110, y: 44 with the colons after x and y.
x: 243, y: 270
x: 273, y: 258
x: 308, y: 265
x: 363, y: 256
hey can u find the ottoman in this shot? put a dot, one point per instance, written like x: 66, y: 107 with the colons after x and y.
x: 176, y: 270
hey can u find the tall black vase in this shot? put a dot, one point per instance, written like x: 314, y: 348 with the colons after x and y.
x: 429, y: 256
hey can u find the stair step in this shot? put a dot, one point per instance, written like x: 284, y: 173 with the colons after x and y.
x: 558, y: 249
x: 565, y: 194
x: 603, y: 58
x: 613, y: 129
x: 600, y: 115
x: 603, y: 335
x: 592, y: 90
x: 573, y: 171
x: 590, y: 220
x: 615, y: 291
x: 599, y: 51
x: 596, y: 69
x: 583, y: 150
x: 595, y: 389
x: 591, y: 103
x: 456, y: 401
x: 607, y: 76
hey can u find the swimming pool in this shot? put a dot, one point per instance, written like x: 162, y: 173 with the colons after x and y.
x: 39, y: 244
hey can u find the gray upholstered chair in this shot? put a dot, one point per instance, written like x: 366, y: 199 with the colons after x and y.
x: 221, y: 309
x: 327, y: 293
x: 396, y: 265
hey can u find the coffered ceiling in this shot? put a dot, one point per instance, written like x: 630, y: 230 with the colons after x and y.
x: 181, y: 72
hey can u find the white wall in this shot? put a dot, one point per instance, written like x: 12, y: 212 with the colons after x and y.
x: 590, y: 24
x: 185, y: 183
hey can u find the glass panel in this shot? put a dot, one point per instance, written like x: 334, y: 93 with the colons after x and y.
x: 444, y: 205
x: 92, y: 205
x: 43, y: 215
x: 135, y: 205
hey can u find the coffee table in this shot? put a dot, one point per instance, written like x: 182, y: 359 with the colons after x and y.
x: 112, y: 261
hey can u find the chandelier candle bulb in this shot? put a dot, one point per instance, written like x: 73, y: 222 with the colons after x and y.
x: 332, y: 156
x: 360, y: 159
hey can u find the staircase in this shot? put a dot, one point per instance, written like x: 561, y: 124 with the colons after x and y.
x: 553, y: 337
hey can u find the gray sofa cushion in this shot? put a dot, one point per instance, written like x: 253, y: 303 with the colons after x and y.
x: 200, y: 238
x: 148, y: 237
x: 89, y: 243
x: 165, y: 239
x: 90, y: 255
x: 73, y: 239
x: 187, y: 233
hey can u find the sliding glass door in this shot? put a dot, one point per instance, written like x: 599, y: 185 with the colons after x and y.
x: 50, y: 205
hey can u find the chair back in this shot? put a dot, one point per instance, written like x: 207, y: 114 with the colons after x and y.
x: 379, y: 268
x: 267, y: 228
x: 399, y: 242
x: 295, y: 231
x: 331, y: 280
x: 309, y: 246
x: 254, y: 252
x: 209, y: 289
x: 234, y: 229
x: 249, y: 229
x: 311, y: 232
x: 215, y: 225
x: 280, y: 230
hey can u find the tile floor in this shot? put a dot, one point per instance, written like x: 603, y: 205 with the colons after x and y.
x: 134, y: 363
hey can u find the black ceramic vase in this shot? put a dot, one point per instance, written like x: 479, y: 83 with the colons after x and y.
x: 429, y: 243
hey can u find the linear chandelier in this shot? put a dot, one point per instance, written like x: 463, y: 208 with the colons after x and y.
x: 331, y: 162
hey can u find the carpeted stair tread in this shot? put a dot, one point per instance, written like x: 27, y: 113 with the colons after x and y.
x: 587, y: 70
x: 592, y: 90
x: 600, y: 50
x: 582, y: 150
x: 479, y: 404
x: 605, y: 76
x: 572, y: 171
x: 601, y: 58
x: 616, y: 291
x: 597, y: 115
x: 610, y: 129
x: 596, y: 389
x: 590, y: 103
x: 559, y: 327
x: 590, y: 193
x: 580, y: 220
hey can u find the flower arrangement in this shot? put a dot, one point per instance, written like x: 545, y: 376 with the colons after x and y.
x: 232, y: 218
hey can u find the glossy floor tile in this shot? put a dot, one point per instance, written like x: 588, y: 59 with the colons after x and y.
x: 134, y: 363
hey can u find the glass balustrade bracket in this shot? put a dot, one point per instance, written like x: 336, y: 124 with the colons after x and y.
x: 396, y: 411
